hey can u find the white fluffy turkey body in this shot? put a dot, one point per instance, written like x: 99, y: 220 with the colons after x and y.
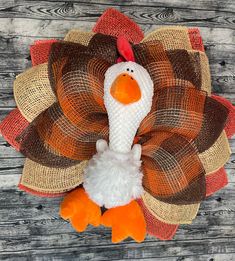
x: 113, y: 177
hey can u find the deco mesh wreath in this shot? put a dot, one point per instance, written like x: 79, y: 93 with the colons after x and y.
x: 127, y: 123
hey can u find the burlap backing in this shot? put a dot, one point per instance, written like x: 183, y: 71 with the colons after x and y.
x: 51, y: 180
x: 170, y: 213
x: 230, y: 124
x: 196, y: 39
x: 217, y: 155
x: 216, y: 181
x: 155, y: 227
x: 41, y: 194
x: 112, y: 22
x: 32, y: 91
x: 77, y: 36
x: 12, y: 126
x: 40, y: 51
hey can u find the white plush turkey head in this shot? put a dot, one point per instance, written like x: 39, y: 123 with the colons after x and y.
x: 128, y: 92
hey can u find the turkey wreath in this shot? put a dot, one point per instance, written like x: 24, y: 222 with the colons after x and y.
x: 122, y: 125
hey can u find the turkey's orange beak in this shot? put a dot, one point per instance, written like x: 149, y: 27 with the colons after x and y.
x: 125, y: 89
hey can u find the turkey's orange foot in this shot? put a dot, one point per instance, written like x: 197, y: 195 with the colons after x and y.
x: 126, y: 221
x: 80, y: 210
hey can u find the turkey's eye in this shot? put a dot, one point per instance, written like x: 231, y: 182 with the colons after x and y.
x: 132, y: 71
x: 128, y: 69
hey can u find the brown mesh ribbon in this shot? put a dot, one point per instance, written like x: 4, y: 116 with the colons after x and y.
x: 81, y: 138
x: 67, y: 56
x: 34, y: 148
x: 52, y: 127
x: 175, y: 109
x: 80, y: 92
x: 167, y: 67
x: 76, y: 74
x: 185, y: 66
x: 181, y: 69
x: 214, y: 121
x: 172, y: 169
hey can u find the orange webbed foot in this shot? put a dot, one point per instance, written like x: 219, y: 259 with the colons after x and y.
x: 80, y: 210
x: 126, y: 221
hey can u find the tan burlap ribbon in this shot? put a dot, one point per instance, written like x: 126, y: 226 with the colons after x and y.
x: 170, y: 213
x: 51, y: 180
x: 32, y: 91
x: 217, y: 155
x: 172, y: 37
x: 77, y: 36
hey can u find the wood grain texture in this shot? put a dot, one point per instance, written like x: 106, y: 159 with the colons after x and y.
x: 145, y: 15
x: 30, y: 228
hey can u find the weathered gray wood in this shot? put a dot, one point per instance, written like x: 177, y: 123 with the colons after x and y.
x: 3, y: 113
x: 230, y: 97
x: 17, y: 41
x: 58, y: 28
x: 211, y: 257
x: 11, y: 166
x: 37, y: 230
x: 18, y: 44
x: 131, y: 251
x: 216, y: 5
x: 144, y: 15
x: 30, y: 228
x: 128, y: 251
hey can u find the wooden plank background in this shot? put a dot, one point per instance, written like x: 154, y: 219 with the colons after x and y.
x: 30, y: 228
